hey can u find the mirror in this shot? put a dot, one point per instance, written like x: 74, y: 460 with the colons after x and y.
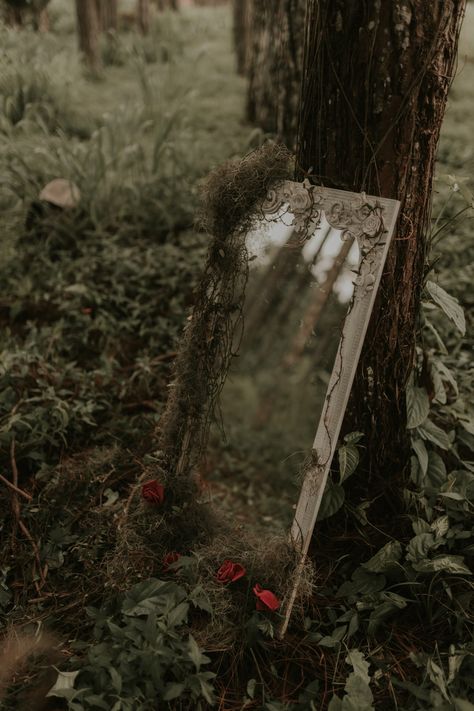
x: 295, y: 291
x: 296, y: 299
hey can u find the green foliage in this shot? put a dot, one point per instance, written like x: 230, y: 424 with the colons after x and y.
x: 142, y: 654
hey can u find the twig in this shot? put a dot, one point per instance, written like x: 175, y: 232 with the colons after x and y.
x: 27, y: 496
x: 16, y: 512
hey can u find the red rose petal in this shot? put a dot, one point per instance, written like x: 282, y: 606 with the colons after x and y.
x: 229, y: 572
x: 266, y: 599
x: 153, y: 492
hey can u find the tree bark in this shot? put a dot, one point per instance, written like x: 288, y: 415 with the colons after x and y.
x: 242, y: 34
x: 275, y: 51
x: 107, y: 14
x: 88, y: 33
x: 375, y: 82
x: 143, y: 16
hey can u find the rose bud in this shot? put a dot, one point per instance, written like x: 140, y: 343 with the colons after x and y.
x: 229, y: 572
x: 153, y: 492
x: 266, y: 600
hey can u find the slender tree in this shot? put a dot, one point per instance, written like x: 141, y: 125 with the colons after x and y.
x: 242, y: 12
x: 88, y: 33
x: 107, y: 13
x: 375, y: 82
x: 143, y: 16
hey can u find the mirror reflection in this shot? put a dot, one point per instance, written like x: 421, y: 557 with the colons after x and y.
x: 297, y: 296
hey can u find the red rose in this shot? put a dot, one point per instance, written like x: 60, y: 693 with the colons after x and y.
x: 169, y: 559
x: 229, y: 572
x: 153, y: 492
x: 266, y: 600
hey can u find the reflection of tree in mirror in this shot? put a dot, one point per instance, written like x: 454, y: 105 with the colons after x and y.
x: 297, y: 297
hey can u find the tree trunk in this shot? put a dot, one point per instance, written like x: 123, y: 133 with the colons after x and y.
x: 107, y: 14
x: 88, y: 33
x: 242, y: 35
x: 143, y: 16
x: 375, y: 82
x: 275, y: 52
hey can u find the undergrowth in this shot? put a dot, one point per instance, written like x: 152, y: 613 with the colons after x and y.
x: 91, y: 314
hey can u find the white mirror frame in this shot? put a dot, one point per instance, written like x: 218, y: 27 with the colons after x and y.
x: 371, y: 221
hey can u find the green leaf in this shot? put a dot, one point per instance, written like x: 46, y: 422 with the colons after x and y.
x: 333, y: 499
x: 359, y: 696
x: 453, y: 564
x: 385, y: 559
x: 64, y: 682
x: 440, y: 526
x: 420, y: 545
x: 173, y: 690
x: 251, y: 688
x: 431, y: 432
x: 418, y: 406
x: 448, y: 304
x: 436, y: 473
x: 348, y: 455
x: 419, y: 447
x: 353, y: 437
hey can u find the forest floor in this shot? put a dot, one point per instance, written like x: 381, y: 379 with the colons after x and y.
x: 91, y: 315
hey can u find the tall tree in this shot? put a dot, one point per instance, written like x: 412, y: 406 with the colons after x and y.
x: 274, y: 65
x: 143, y: 16
x: 242, y: 13
x: 375, y: 82
x: 88, y: 33
x: 107, y: 13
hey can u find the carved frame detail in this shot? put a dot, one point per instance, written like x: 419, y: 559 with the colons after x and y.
x: 370, y: 221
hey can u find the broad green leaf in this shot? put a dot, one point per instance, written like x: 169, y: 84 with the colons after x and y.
x: 359, y: 696
x: 449, y: 304
x: 418, y: 406
x: 463, y: 705
x: 251, y: 688
x: 440, y: 526
x: 172, y: 691
x: 64, y: 682
x: 453, y: 564
x: 333, y: 499
x: 348, y: 456
x: 436, y: 473
x: 335, y: 704
x: 431, y: 432
x: 420, y: 545
x: 385, y: 559
x: 419, y: 447
x: 353, y: 437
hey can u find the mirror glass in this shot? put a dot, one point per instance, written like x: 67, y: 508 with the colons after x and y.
x: 297, y: 296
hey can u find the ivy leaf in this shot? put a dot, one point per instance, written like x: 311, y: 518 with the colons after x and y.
x: 449, y: 304
x: 332, y: 500
x: 348, y: 456
x: 64, y: 682
x: 431, y: 432
x: 437, y: 472
x: 173, y: 691
x: 421, y: 452
x: 385, y: 559
x: 453, y: 564
x: 418, y: 406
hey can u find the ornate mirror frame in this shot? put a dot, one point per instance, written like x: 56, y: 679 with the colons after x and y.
x: 371, y: 221
x: 206, y: 348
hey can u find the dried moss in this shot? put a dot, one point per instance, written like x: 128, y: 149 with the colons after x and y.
x: 232, y: 192
x: 230, y: 196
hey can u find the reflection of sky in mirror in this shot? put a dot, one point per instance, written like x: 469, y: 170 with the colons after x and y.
x: 268, y: 237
